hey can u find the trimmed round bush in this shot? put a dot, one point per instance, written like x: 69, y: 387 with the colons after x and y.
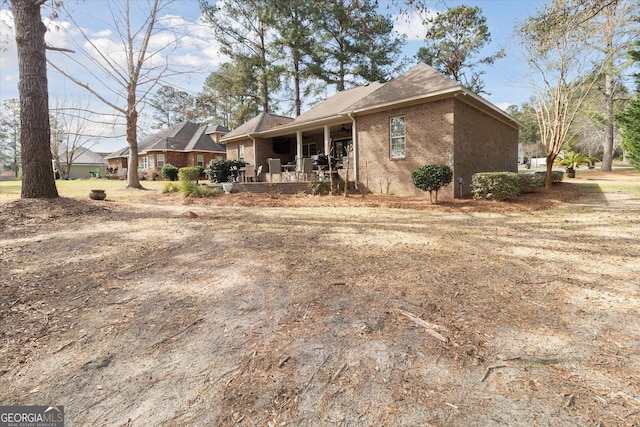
x: 431, y: 178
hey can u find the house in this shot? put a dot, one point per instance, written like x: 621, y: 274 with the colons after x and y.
x: 84, y: 163
x: 183, y: 144
x: 381, y: 133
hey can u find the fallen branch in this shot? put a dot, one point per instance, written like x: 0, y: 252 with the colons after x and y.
x: 162, y: 341
x: 428, y: 327
x: 283, y: 361
x: 489, y: 369
x: 338, y: 372
x: 537, y: 359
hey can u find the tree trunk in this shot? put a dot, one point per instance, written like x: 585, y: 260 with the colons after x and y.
x: 132, y: 140
x: 607, y: 155
x: 548, y: 182
x: 38, y: 180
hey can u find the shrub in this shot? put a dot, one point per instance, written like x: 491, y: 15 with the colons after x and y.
x: 170, y: 187
x: 189, y: 173
x: 169, y: 172
x: 528, y: 182
x: 556, y: 176
x: 191, y: 189
x: 431, y: 178
x: 219, y: 170
x: 495, y: 185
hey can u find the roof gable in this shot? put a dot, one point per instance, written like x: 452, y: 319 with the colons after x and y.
x: 337, y: 103
x: 260, y: 123
x: 419, y: 82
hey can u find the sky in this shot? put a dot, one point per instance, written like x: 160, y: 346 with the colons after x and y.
x: 196, y: 54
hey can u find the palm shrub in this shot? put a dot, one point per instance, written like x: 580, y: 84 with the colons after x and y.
x: 571, y: 160
x: 431, y: 178
x: 169, y: 172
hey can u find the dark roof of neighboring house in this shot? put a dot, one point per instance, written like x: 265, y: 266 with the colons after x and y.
x: 261, y: 122
x: 184, y: 136
x: 217, y: 129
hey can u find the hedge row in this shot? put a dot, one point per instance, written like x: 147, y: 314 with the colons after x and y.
x: 507, y: 185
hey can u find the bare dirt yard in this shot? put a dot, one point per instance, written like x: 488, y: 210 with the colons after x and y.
x: 151, y: 309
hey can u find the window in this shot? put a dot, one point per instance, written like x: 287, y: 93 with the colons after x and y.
x: 309, y: 150
x: 143, y: 163
x: 397, y: 134
x: 241, y: 151
x: 160, y: 160
x: 340, y: 147
x: 200, y: 160
x: 150, y: 162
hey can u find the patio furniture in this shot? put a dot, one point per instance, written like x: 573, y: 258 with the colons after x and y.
x: 259, y: 174
x: 275, y: 168
x: 306, y: 168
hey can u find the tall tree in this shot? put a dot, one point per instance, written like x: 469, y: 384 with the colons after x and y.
x: 10, y: 135
x: 129, y: 70
x: 529, y: 135
x: 244, y: 30
x: 230, y: 94
x: 293, y: 24
x: 613, y: 30
x: 560, y: 59
x: 171, y: 106
x: 37, y: 172
x: 630, y: 118
x: 453, y: 41
x: 346, y: 33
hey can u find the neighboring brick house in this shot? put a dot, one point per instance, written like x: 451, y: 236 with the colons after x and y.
x: 388, y: 130
x: 183, y: 144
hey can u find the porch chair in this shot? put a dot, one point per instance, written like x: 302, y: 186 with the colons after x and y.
x: 306, y: 168
x: 249, y: 173
x: 275, y: 168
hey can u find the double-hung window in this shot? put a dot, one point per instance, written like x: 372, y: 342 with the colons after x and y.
x: 241, y: 152
x: 143, y: 162
x: 160, y: 160
x: 200, y: 160
x: 398, y: 141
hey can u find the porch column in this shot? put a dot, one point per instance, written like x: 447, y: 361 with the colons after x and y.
x: 327, y: 140
x: 356, y: 157
x: 299, y: 150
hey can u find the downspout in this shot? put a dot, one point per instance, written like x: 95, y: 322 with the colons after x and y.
x: 356, y: 157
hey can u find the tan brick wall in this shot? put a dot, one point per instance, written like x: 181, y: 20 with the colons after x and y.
x: 482, y: 143
x: 429, y: 139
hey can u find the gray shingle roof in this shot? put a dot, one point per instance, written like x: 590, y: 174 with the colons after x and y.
x: 419, y: 82
x: 184, y: 136
x: 341, y: 101
x: 261, y: 122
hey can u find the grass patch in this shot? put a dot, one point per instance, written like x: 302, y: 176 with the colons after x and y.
x: 79, y: 188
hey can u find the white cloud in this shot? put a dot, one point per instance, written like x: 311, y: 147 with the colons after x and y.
x: 412, y: 24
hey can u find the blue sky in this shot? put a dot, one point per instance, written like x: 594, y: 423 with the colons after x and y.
x: 506, y: 81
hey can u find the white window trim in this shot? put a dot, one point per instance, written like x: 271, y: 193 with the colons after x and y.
x: 392, y: 138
